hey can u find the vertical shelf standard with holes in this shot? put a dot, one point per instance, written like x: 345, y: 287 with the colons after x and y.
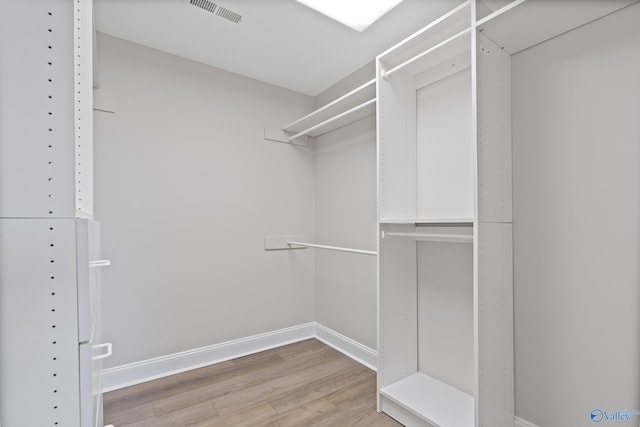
x: 445, y: 333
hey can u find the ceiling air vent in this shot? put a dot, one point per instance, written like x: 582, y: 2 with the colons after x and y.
x: 232, y: 16
x: 205, y: 4
x: 218, y: 10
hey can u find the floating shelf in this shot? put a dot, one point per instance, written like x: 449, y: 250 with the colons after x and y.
x: 525, y: 23
x: 355, y: 105
x: 432, y: 400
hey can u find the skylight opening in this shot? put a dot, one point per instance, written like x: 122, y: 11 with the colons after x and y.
x: 355, y: 14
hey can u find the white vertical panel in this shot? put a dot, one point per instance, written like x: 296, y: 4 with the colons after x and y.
x: 495, y: 325
x: 36, y: 109
x: 397, y: 352
x: 83, y: 106
x: 445, y: 148
x: 85, y: 376
x: 84, y: 281
x: 396, y: 116
x: 38, y: 315
x: 89, y: 286
x: 494, y: 132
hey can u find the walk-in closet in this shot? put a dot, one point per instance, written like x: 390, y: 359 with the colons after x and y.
x: 243, y: 212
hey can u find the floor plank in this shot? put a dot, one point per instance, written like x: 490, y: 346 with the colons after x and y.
x: 300, y: 384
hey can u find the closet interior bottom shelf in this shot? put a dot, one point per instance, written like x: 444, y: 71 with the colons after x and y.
x: 432, y: 400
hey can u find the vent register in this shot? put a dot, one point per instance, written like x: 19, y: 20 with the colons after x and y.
x: 217, y: 10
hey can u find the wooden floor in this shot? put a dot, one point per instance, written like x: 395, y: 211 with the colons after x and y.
x: 301, y: 384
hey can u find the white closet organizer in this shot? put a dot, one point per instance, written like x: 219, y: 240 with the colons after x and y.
x: 49, y: 245
x: 445, y: 337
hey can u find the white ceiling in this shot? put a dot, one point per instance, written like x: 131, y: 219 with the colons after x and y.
x: 277, y: 41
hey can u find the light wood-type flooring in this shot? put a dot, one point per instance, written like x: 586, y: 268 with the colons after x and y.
x: 302, y: 384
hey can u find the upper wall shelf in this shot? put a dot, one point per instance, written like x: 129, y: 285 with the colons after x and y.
x: 525, y: 23
x: 444, y: 38
x: 355, y: 105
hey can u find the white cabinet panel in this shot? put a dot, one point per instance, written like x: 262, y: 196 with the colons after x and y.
x: 39, y: 382
x: 445, y: 148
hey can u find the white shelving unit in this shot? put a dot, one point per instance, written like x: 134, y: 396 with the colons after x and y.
x: 445, y: 336
x: 433, y: 366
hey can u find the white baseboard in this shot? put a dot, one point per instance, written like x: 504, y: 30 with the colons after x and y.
x: 519, y: 422
x: 358, y: 352
x: 147, y: 370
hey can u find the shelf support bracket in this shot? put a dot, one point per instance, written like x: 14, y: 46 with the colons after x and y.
x: 278, y: 135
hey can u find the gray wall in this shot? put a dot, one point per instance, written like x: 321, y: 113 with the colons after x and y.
x: 346, y: 286
x: 345, y: 168
x: 576, y: 134
x: 186, y: 188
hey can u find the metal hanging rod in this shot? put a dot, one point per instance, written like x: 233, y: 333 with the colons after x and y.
x: 332, y: 248
x: 431, y: 237
x: 387, y: 74
x: 332, y: 119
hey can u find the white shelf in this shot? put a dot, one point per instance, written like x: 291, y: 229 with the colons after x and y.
x: 432, y: 400
x: 525, y: 23
x: 431, y: 237
x: 418, y: 221
x: 338, y: 113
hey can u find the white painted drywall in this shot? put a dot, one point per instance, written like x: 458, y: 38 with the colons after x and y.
x: 186, y: 188
x: 576, y: 136
x: 346, y: 286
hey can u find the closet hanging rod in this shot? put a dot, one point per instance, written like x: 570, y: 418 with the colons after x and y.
x: 332, y: 248
x: 332, y: 119
x: 431, y: 237
x: 387, y: 74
